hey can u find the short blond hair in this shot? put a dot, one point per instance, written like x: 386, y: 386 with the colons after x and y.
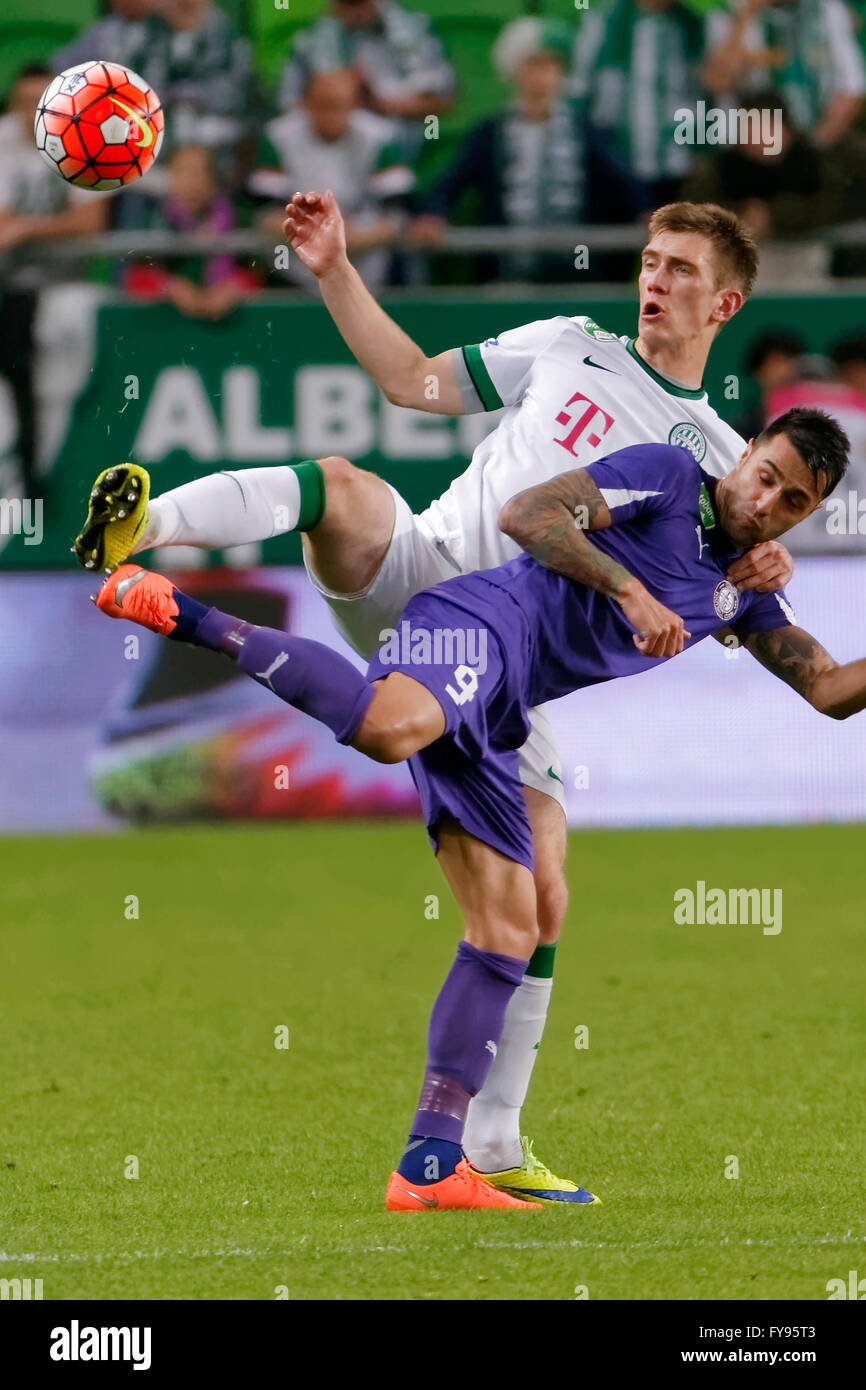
x: 736, y: 250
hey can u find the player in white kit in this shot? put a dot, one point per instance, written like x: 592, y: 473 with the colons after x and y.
x: 574, y: 393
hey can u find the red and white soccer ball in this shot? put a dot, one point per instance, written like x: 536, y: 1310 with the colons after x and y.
x: 99, y: 125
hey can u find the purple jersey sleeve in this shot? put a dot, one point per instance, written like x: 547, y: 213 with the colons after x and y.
x: 645, y: 480
x: 765, y: 611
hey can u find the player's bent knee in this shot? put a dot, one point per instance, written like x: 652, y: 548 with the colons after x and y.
x: 388, y: 740
x: 552, y: 900
x: 342, y: 480
x: 354, y: 501
x: 338, y: 471
x: 382, y: 747
x: 504, y: 935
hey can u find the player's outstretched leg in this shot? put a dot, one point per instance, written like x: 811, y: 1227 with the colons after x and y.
x: 345, y: 514
x: 388, y: 719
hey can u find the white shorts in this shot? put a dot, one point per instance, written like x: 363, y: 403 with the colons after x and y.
x: 415, y: 560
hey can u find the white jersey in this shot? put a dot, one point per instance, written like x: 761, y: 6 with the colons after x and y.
x: 575, y: 393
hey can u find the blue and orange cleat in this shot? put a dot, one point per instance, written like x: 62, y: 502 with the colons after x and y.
x: 141, y: 597
x: 464, y: 1189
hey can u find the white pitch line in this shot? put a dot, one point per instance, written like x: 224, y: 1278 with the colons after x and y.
x: 76, y: 1257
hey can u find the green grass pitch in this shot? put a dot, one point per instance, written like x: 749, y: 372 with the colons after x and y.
x: 263, y: 1169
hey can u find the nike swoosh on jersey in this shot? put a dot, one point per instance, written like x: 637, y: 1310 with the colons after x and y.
x: 589, y: 363
x: 144, y: 129
x: 555, y: 775
x: 446, y: 554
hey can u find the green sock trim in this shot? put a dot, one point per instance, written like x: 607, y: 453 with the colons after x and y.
x: 541, y: 962
x: 312, y: 484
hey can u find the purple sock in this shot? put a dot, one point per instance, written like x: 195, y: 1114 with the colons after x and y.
x: 465, y: 1028
x: 305, y: 674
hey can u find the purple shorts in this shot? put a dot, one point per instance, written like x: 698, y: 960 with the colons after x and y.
x: 467, y: 644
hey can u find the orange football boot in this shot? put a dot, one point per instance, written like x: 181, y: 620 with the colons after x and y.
x: 461, y: 1190
x: 141, y: 597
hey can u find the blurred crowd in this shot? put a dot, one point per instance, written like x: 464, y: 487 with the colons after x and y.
x: 782, y: 373
x: 368, y: 102
x: 586, y: 130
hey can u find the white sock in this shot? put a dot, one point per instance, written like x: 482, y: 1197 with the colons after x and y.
x: 491, y: 1138
x: 225, y: 509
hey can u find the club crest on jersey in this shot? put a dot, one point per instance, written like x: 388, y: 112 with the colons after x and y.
x: 726, y: 599
x: 601, y: 335
x: 687, y: 436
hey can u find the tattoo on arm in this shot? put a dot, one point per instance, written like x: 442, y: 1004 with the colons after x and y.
x: 793, y: 655
x: 550, y: 522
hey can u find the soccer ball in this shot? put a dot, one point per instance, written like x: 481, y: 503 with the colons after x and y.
x: 99, y: 125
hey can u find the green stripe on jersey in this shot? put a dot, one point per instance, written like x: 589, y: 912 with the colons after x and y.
x: 666, y: 385
x: 487, y: 392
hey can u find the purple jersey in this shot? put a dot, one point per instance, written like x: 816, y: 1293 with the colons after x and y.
x: 666, y: 533
x: 545, y: 635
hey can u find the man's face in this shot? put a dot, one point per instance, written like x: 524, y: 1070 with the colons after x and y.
x: 677, y: 287
x: 134, y: 9
x: 777, y: 369
x: 25, y: 98
x: 356, y: 13
x: 768, y: 492
x: 185, y: 14
x: 330, y: 99
x: 854, y: 375
x: 540, y: 77
x: 191, y: 180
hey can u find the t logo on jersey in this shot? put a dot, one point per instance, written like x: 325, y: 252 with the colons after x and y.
x: 582, y: 424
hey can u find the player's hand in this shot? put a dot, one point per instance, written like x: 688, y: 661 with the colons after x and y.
x: 315, y: 230
x: 658, y: 631
x: 765, y: 568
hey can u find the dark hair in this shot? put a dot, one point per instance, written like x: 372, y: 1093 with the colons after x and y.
x: 820, y: 441
x: 788, y: 344
x: 851, y: 349
x: 768, y: 99
x: 32, y: 70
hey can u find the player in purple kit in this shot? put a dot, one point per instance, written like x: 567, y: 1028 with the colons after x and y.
x: 567, y: 614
